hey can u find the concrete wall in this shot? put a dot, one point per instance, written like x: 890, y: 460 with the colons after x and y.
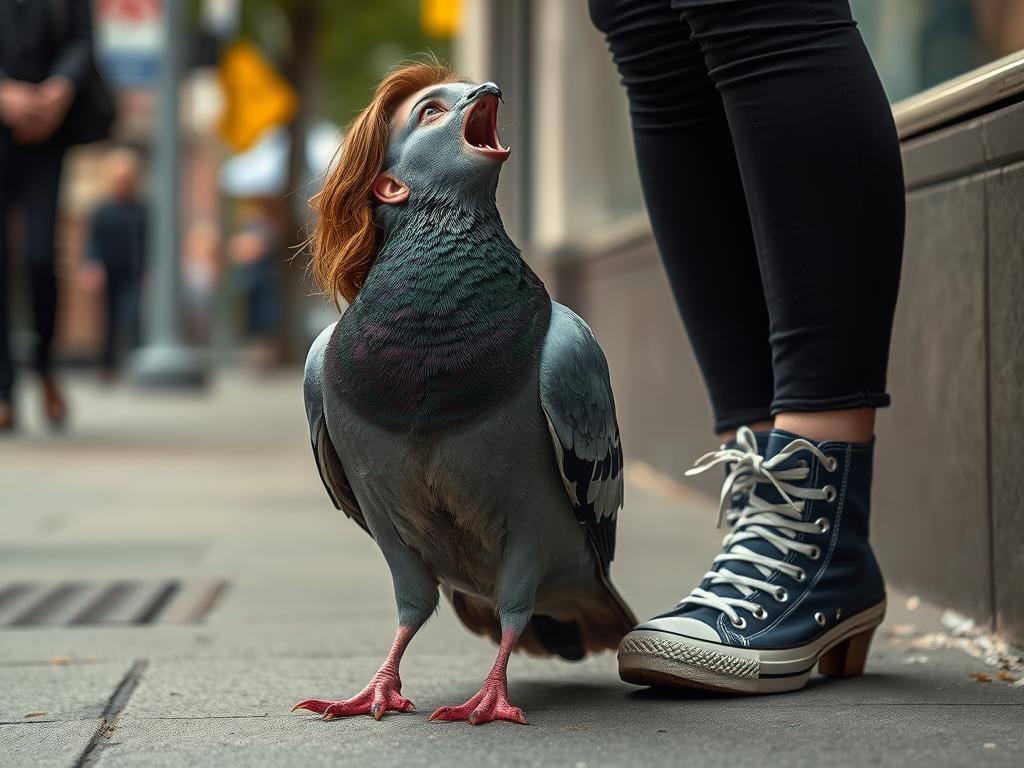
x: 948, y: 519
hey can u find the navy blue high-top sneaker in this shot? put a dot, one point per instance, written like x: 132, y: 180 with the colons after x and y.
x: 796, y: 584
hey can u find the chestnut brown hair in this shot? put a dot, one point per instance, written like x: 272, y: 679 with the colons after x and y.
x: 345, y: 239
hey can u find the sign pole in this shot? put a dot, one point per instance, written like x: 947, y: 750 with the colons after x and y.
x: 165, y: 361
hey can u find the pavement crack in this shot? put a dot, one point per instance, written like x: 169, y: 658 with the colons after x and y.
x: 111, y: 715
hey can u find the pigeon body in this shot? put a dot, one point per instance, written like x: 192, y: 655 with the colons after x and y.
x: 466, y: 422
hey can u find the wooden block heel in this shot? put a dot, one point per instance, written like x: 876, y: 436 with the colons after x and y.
x: 847, y: 659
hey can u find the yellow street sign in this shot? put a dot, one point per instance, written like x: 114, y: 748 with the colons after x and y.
x: 256, y: 97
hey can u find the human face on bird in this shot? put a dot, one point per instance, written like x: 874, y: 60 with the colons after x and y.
x: 444, y: 140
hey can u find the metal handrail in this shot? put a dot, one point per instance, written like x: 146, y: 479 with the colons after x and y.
x: 993, y: 83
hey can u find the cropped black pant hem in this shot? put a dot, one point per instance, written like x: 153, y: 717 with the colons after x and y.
x: 729, y: 420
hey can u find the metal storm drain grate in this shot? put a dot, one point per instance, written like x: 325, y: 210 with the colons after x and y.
x: 116, y: 603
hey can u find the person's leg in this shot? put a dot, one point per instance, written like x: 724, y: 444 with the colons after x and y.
x: 796, y: 584
x: 41, y: 185
x: 696, y: 204
x: 7, y: 180
x: 821, y: 170
x: 6, y: 362
x: 114, y: 318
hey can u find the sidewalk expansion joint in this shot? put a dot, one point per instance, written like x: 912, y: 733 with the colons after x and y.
x: 111, y: 714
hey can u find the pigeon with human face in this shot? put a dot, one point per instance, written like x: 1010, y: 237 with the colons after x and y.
x: 463, y: 418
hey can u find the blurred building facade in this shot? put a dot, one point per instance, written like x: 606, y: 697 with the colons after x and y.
x: 950, y: 522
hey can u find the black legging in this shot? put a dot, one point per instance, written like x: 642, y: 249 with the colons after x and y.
x: 29, y: 176
x: 771, y: 172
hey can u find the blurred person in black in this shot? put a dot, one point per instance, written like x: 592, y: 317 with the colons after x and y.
x: 115, y: 257
x: 48, y: 101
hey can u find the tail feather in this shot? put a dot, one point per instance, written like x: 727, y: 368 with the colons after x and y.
x: 593, y: 624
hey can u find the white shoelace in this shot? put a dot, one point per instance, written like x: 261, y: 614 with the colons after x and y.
x: 778, y: 524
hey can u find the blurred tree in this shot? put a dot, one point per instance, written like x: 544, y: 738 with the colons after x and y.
x: 346, y: 45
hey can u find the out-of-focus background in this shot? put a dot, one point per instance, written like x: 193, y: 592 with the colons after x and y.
x: 265, y: 84
x: 181, y: 489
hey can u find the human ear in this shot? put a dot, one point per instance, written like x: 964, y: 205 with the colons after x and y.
x: 390, y: 190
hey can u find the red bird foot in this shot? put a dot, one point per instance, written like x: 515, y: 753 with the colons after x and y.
x: 375, y: 699
x: 487, y: 706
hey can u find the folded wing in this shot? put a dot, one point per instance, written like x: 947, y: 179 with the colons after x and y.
x: 332, y: 473
x: 576, y: 396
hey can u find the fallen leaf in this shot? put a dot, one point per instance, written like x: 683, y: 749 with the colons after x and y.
x: 61, y: 660
x: 900, y: 630
x: 1006, y: 677
x: 37, y: 714
x: 981, y: 677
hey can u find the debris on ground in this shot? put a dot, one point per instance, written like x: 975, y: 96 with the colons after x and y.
x: 36, y: 714
x: 916, y: 660
x: 900, y: 630
x: 964, y: 635
x: 981, y: 677
x: 913, y: 603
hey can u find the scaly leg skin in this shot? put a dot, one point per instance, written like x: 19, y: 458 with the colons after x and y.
x: 382, y: 694
x: 492, y: 702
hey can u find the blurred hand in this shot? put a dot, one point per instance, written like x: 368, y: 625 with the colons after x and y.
x: 19, y: 104
x: 52, y: 99
x: 92, y: 277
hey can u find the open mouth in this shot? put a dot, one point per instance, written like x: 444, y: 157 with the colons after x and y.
x: 480, y: 128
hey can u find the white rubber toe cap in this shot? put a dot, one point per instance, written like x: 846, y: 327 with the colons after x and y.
x: 682, y: 625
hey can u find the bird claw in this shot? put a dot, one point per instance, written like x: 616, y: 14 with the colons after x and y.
x: 377, y: 698
x: 487, y: 706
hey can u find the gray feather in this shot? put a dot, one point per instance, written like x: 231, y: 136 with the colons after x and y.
x: 576, y: 396
x: 328, y: 463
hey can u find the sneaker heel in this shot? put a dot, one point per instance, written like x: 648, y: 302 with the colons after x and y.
x: 847, y: 659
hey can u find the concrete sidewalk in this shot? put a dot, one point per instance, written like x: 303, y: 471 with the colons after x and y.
x: 218, y: 496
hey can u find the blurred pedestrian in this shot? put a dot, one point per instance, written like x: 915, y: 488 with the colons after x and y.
x: 50, y: 98
x: 115, y: 257
x: 771, y: 170
x: 255, y: 253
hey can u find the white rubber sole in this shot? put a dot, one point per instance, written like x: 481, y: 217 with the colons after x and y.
x: 659, y: 658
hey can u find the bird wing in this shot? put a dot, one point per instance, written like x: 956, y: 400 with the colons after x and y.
x: 328, y: 463
x: 576, y: 396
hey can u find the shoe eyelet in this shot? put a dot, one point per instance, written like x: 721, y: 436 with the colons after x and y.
x: 830, y: 493
x: 740, y: 623
x: 823, y: 524
x: 820, y: 618
x: 800, y: 576
x: 760, y: 613
x: 832, y: 464
x: 780, y: 595
x: 815, y: 553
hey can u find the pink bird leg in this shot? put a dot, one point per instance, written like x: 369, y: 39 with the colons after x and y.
x: 491, y: 703
x: 382, y: 694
